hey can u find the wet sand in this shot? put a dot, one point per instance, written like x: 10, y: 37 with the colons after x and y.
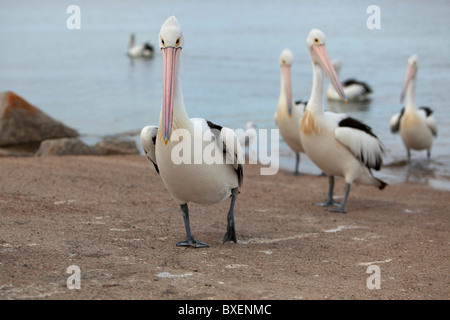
x: 112, y: 217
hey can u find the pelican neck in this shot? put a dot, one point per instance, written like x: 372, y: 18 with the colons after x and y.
x: 316, y: 99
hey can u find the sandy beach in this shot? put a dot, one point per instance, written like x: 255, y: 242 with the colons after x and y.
x: 111, y: 217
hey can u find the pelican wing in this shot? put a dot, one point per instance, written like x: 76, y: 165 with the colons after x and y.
x: 431, y: 123
x: 301, y: 105
x: 361, y: 141
x: 148, y: 141
x: 395, y: 121
x: 232, y: 149
x: 365, y: 88
x: 429, y: 120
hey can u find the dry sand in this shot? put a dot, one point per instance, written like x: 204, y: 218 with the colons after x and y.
x: 112, y: 217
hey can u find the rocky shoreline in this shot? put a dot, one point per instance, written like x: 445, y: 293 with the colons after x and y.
x: 25, y: 130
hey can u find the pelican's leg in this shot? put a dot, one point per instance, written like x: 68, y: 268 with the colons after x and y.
x: 190, y: 241
x: 231, y: 232
x: 409, y: 155
x: 297, y: 163
x: 330, y: 201
x: 341, y: 208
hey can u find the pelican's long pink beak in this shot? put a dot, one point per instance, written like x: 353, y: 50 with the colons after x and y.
x: 410, y: 73
x: 286, y: 71
x: 170, y: 58
x: 320, y: 55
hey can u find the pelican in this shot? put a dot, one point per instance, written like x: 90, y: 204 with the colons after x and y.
x: 142, y: 50
x: 288, y: 113
x: 249, y: 139
x: 354, y: 90
x: 337, y: 144
x: 417, y: 127
x: 190, y: 180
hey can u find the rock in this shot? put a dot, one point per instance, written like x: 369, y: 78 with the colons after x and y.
x: 74, y: 146
x: 22, y: 123
x: 116, y: 146
x: 14, y: 152
x: 65, y: 146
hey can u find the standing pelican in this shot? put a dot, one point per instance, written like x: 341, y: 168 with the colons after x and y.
x: 193, y: 178
x: 336, y: 143
x: 141, y: 50
x: 417, y: 127
x: 288, y: 113
x: 354, y: 90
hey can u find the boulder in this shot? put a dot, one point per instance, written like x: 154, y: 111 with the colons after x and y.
x: 116, y: 146
x: 22, y: 123
x: 65, y: 146
x: 74, y: 146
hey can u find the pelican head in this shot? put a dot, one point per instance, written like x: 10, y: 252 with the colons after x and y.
x: 286, y: 59
x: 170, y: 41
x: 411, y: 72
x: 319, y: 56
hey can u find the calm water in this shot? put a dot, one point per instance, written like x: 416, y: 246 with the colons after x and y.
x: 230, y: 65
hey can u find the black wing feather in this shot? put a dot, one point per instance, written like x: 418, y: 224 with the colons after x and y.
x: 349, y: 82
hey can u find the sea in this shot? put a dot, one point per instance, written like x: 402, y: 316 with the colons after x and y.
x: 69, y: 59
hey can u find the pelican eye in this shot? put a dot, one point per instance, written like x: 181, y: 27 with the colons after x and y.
x: 177, y: 43
x: 316, y: 40
x: 162, y: 41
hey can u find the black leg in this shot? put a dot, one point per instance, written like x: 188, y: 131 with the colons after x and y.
x: 330, y: 201
x: 231, y: 232
x: 190, y: 241
x: 341, y: 208
x: 297, y: 163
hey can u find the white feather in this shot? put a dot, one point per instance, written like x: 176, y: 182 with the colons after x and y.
x: 429, y: 120
x: 394, y: 122
x: 365, y: 147
x: 148, y: 135
x: 232, y: 148
x: 431, y: 123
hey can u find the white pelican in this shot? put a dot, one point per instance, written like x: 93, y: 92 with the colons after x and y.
x: 337, y: 144
x: 288, y: 113
x: 417, y: 127
x: 141, y: 50
x: 249, y: 139
x: 354, y: 90
x: 194, y: 181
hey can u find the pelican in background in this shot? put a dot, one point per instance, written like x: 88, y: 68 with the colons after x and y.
x: 141, y: 50
x: 354, y: 90
x: 249, y: 139
x: 191, y: 180
x: 288, y: 113
x: 417, y: 127
x: 337, y: 144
